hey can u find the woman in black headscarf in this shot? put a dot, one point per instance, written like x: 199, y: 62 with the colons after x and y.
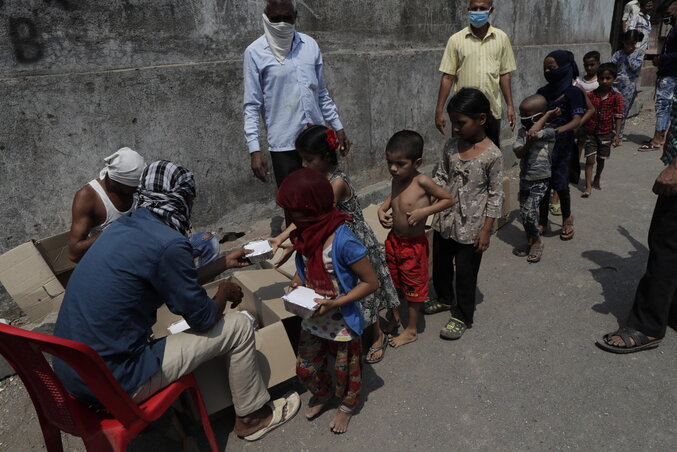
x: 560, y: 70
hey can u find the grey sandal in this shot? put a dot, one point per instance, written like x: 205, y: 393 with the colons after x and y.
x: 535, y: 253
x: 373, y: 350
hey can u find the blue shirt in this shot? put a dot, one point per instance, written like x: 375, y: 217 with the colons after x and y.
x: 135, y: 266
x: 346, y: 250
x: 289, y: 94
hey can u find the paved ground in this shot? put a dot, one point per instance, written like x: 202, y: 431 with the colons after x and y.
x: 526, y: 377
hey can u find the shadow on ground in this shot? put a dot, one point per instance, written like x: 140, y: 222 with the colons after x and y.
x: 617, y: 276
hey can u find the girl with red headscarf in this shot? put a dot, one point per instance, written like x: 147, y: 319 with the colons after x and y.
x: 331, y: 261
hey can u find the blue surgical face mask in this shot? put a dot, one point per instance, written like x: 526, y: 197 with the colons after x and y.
x: 478, y: 18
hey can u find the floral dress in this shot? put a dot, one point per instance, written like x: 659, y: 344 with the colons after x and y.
x: 629, y: 68
x: 386, y: 295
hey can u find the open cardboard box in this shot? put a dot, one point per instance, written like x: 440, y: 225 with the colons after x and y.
x: 262, y: 291
x: 35, y: 275
x: 288, y: 269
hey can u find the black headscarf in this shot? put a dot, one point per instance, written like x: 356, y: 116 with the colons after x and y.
x: 561, y: 78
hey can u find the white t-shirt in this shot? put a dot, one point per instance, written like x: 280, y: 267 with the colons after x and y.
x: 587, y: 85
x: 631, y: 9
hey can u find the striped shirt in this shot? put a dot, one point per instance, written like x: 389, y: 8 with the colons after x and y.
x: 642, y: 23
x: 479, y: 63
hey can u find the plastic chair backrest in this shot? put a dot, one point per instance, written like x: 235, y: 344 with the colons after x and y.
x: 24, y: 351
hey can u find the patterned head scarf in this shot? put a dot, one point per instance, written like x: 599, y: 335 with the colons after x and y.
x: 164, y: 190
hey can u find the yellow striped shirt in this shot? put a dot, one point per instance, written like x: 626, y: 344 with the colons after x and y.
x: 479, y: 63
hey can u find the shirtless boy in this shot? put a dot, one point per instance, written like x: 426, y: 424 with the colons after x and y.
x: 413, y: 197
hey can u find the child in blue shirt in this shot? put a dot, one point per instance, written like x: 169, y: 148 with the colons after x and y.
x: 331, y: 261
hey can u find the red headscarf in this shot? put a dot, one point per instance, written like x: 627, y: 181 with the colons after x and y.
x: 308, y: 191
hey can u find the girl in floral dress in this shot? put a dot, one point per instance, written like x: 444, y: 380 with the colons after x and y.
x: 629, y: 61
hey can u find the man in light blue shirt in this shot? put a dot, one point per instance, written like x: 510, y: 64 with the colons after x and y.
x: 284, y: 81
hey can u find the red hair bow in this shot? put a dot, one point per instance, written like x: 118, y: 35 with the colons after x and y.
x: 332, y: 139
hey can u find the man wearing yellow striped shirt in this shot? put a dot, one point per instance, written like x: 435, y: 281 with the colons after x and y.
x: 479, y: 56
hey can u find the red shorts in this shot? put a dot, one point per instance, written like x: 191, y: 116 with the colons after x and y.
x: 407, y: 259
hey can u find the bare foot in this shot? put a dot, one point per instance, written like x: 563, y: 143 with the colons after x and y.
x: 404, y: 338
x: 248, y: 425
x: 315, y: 406
x: 340, y: 422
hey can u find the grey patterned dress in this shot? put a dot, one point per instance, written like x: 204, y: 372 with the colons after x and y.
x: 386, y: 295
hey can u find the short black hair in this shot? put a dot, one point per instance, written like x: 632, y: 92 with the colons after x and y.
x: 632, y: 35
x: 594, y: 54
x: 611, y: 68
x: 408, y: 142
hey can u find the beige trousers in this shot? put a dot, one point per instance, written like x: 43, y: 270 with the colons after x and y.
x: 232, y: 338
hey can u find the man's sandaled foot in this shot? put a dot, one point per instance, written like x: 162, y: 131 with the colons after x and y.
x: 453, y: 330
x: 340, y: 422
x: 283, y: 410
x: 376, y: 354
x: 434, y: 306
x: 316, y: 406
x: 627, y: 340
x: 596, y: 184
x: 404, y: 338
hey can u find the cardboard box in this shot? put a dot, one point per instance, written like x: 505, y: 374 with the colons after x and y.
x: 262, y: 290
x: 288, y: 269
x: 35, y: 275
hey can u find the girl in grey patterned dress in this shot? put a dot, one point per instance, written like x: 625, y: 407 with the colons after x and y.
x: 317, y: 146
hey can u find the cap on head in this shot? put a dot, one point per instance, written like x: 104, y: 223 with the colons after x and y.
x: 125, y: 166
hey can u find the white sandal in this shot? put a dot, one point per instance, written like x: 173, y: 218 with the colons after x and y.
x: 291, y: 402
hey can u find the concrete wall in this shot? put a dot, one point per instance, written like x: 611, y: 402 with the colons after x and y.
x: 78, y: 79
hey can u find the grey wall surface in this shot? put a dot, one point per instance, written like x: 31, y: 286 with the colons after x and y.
x: 79, y: 79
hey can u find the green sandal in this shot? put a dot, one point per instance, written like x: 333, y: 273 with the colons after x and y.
x: 435, y: 306
x: 453, y: 330
x: 556, y: 209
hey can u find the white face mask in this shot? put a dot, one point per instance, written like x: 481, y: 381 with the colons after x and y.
x: 280, y: 36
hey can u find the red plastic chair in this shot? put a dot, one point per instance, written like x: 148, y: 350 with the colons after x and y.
x: 57, y: 410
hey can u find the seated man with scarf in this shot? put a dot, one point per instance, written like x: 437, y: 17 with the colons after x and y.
x: 142, y: 261
x: 104, y: 200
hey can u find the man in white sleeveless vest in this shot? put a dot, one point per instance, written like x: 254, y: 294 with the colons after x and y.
x: 104, y: 200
